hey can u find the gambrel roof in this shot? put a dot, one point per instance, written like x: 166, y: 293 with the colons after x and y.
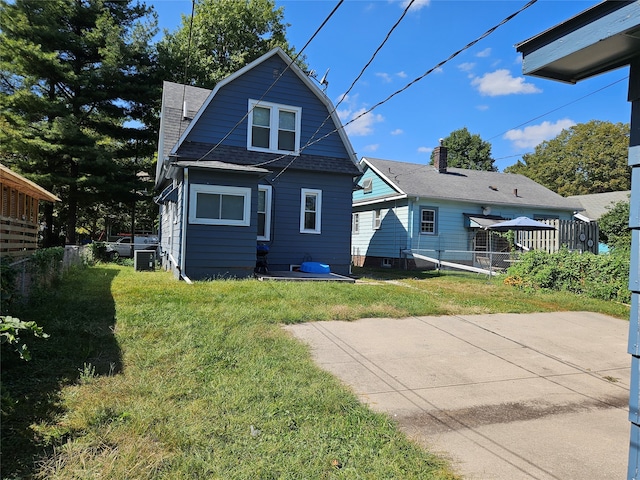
x: 184, y: 106
x: 462, y: 185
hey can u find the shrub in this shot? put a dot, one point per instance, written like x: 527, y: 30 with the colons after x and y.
x: 597, y: 276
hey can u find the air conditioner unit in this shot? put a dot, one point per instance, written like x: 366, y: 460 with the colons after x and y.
x: 144, y: 260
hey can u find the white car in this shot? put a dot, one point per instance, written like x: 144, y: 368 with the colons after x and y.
x: 122, y: 246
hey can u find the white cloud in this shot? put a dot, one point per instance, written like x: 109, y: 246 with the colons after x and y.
x: 371, y: 147
x: 401, y: 74
x: 501, y: 82
x: 466, y: 66
x: 417, y: 4
x: 484, y: 53
x: 397, y: 131
x: 352, y: 109
x: 482, y: 108
x: 386, y: 78
x: 425, y: 149
x: 530, y: 137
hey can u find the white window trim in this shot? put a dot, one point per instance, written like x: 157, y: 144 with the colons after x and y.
x: 377, y: 219
x: 303, y: 194
x: 273, y: 126
x: 220, y: 190
x: 435, y: 221
x: 267, y: 220
x: 355, y: 223
x: 367, y: 185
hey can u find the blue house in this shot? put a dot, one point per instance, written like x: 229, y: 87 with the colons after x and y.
x: 435, y: 211
x: 260, y: 162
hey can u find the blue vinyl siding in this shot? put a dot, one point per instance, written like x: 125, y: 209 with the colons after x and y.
x: 380, y: 188
x: 233, y: 101
x: 332, y: 246
x: 221, y: 250
x: 390, y: 238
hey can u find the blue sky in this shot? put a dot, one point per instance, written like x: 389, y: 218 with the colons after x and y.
x: 482, y: 88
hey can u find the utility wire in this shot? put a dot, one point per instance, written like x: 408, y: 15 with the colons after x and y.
x: 561, y: 107
x: 186, y: 62
x: 344, y: 95
x: 246, y: 115
x: 431, y: 70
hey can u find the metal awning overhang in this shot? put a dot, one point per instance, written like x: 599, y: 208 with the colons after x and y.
x: 169, y: 194
x: 217, y: 166
x: 481, y: 221
x: 600, y: 39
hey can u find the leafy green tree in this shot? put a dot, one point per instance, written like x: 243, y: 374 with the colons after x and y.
x: 466, y: 150
x: 75, y: 79
x: 614, y: 226
x: 586, y: 158
x: 223, y: 36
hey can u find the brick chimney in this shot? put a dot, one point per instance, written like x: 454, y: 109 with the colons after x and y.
x: 440, y: 158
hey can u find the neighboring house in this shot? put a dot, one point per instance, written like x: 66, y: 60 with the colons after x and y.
x: 407, y: 206
x: 262, y: 159
x: 19, y: 206
x: 597, y: 204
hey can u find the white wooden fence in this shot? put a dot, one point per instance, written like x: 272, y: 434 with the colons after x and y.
x: 574, y: 235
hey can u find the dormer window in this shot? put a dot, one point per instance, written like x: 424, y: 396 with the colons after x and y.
x: 273, y: 128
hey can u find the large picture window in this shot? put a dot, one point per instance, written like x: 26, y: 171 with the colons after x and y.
x: 264, y: 212
x: 428, y: 218
x: 310, y: 211
x: 220, y: 205
x: 273, y: 127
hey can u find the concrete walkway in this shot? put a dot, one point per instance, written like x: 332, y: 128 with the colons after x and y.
x: 535, y: 396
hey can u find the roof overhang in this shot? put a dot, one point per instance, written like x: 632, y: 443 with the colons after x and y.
x: 602, y: 38
x: 217, y: 166
x: 22, y: 184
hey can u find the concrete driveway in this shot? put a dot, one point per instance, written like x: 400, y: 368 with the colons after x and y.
x: 506, y: 396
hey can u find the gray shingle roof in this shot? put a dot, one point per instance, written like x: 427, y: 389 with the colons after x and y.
x: 473, y: 186
x: 595, y: 205
x: 174, y: 96
x: 242, y: 156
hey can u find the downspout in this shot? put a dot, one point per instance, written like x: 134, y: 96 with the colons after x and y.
x: 185, y: 214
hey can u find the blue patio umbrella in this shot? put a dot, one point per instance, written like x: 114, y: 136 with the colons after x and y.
x: 520, y: 223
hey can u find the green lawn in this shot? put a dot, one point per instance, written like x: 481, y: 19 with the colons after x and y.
x: 147, y: 377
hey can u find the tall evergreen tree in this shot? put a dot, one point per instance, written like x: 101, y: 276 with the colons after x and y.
x: 74, y: 76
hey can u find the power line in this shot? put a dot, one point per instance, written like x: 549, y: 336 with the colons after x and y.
x: 431, y: 70
x: 246, y: 115
x: 561, y: 107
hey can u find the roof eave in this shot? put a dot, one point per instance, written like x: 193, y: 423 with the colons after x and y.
x: 603, y: 38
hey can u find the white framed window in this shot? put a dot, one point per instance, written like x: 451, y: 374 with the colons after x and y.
x: 428, y: 217
x: 367, y: 185
x: 377, y: 219
x: 220, y: 205
x: 355, y: 223
x: 273, y: 127
x: 264, y: 212
x: 310, y: 210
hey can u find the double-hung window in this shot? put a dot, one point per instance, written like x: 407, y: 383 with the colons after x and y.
x: 220, y: 205
x: 264, y: 212
x: 310, y: 211
x: 273, y: 127
x: 377, y: 219
x: 355, y: 223
x: 428, y: 221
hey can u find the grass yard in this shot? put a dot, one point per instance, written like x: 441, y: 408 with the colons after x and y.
x: 145, y: 377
